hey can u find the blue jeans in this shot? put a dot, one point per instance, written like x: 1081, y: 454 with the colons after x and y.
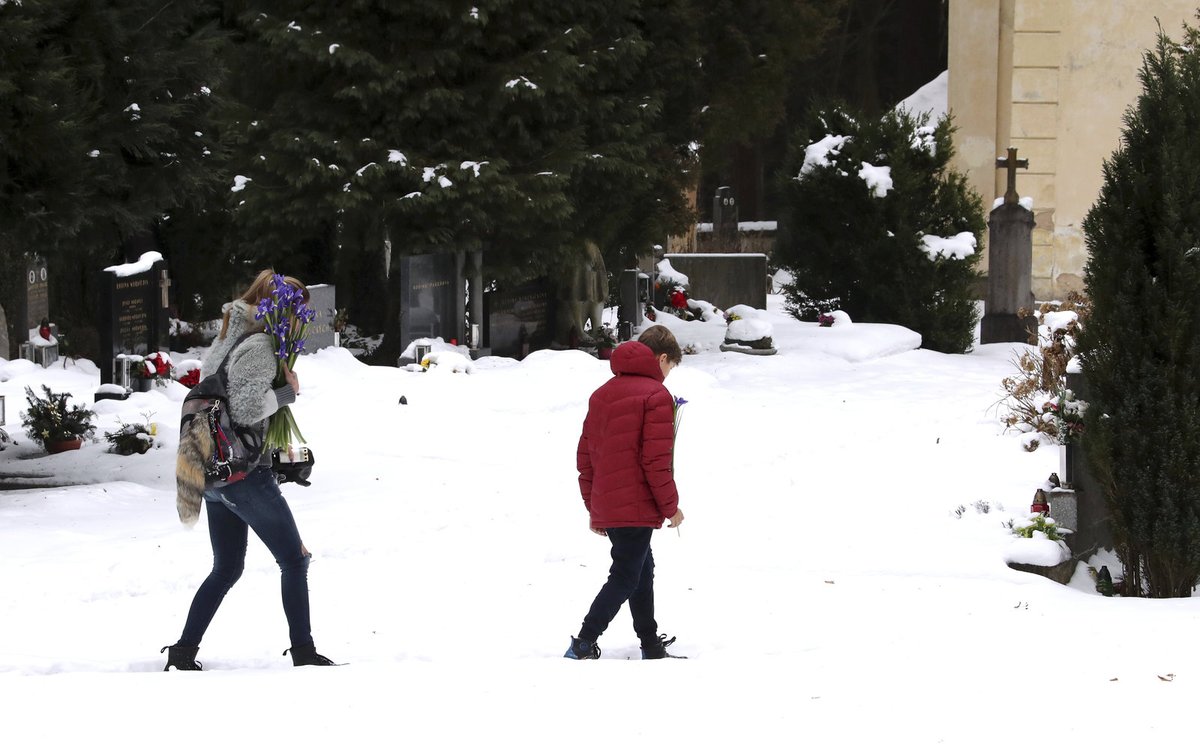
x: 254, y: 502
x: 631, y: 578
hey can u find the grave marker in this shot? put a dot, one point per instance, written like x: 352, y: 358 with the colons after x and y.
x: 1010, y: 263
x: 133, y: 312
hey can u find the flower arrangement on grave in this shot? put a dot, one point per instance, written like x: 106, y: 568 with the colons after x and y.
x: 156, y: 367
x: 825, y: 320
x: 1037, y: 526
x: 287, y: 317
x: 190, y: 379
x: 131, y: 438
x: 605, y: 336
x: 50, y: 420
x: 748, y: 328
x: 1037, y: 397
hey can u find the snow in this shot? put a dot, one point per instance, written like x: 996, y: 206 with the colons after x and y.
x: 878, y: 179
x: 1024, y: 201
x: 239, y: 183
x: 707, y: 226
x: 821, y: 153
x: 959, y: 246
x: 143, y: 264
x: 521, y: 81
x: 933, y: 98
x: 822, y: 584
x: 668, y: 275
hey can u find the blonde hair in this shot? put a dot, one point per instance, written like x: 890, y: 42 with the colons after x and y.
x: 259, y: 289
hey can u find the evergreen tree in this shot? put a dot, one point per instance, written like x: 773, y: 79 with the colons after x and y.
x: 864, y: 248
x: 522, y: 129
x: 102, y: 132
x: 1141, y: 347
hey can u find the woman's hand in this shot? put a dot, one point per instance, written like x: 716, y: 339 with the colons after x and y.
x: 290, y: 377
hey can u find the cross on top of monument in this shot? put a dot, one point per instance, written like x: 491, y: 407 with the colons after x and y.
x: 1012, y: 163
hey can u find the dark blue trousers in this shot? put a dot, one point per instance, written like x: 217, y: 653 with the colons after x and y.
x: 255, y: 503
x: 631, y: 578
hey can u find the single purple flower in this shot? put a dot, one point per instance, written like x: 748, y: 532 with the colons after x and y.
x: 680, y: 402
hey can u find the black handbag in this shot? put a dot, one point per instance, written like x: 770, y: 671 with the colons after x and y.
x: 295, y: 469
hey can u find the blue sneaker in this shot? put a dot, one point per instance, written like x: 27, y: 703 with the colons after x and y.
x: 582, y: 650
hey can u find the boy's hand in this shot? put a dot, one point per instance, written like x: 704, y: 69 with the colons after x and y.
x: 676, y: 521
x: 597, y: 531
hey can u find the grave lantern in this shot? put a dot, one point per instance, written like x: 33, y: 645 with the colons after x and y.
x: 1040, y: 503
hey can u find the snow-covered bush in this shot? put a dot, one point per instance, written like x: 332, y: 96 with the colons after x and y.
x: 876, y: 223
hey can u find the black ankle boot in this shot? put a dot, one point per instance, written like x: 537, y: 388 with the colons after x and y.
x: 307, y: 655
x: 182, y: 657
x: 653, y: 650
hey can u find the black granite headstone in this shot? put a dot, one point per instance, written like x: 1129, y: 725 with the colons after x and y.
x: 133, y: 310
x: 725, y: 220
x: 431, y: 297
x: 520, y: 318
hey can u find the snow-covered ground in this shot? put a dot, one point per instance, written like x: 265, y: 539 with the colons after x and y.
x: 823, y: 586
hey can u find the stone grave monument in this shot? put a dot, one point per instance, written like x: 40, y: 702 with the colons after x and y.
x: 134, y: 299
x: 1010, y: 263
x: 431, y: 298
x: 36, y: 331
x: 322, y: 299
x: 520, y: 318
x: 724, y: 280
x: 725, y: 220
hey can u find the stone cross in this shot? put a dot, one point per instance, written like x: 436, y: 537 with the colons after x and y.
x: 1012, y: 164
x: 164, y: 286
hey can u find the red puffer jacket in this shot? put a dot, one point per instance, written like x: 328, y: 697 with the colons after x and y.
x: 624, y: 454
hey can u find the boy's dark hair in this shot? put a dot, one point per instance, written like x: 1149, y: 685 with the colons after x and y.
x: 660, y: 340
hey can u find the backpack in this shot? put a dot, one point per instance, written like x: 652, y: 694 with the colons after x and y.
x: 214, y: 451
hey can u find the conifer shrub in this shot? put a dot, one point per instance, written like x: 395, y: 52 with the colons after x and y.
x: 1140, y: 351
x: 876, y: 223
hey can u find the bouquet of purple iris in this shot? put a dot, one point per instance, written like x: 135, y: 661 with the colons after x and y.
x: 286, y: 316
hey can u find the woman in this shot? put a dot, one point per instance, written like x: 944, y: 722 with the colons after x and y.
x: 255, y: 502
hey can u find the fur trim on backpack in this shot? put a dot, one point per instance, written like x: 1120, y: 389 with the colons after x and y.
x: 195, y: 448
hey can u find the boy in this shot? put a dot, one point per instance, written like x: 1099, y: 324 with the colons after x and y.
x: 625, y: 476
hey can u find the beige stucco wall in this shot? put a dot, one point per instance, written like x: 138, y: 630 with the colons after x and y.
x: 1052, y: 78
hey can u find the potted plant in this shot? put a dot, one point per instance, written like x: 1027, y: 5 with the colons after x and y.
x: 153, y: 370
x: 53, y: 424
x: 606, y: 340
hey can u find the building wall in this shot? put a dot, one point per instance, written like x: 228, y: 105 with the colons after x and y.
x: 1053, y: 79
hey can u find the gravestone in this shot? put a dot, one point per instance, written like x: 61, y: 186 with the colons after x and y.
x: 724, y: 280
x: 34, y: 311
x: 34, y: 299
x: 431, y: 299
x: 725, y: 220
x: 1092, y: 529
x: 633, y: 292
x: 134, y: 299
x: 1010, y: 264
x: 520, y: 318
x: 322, y: 299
